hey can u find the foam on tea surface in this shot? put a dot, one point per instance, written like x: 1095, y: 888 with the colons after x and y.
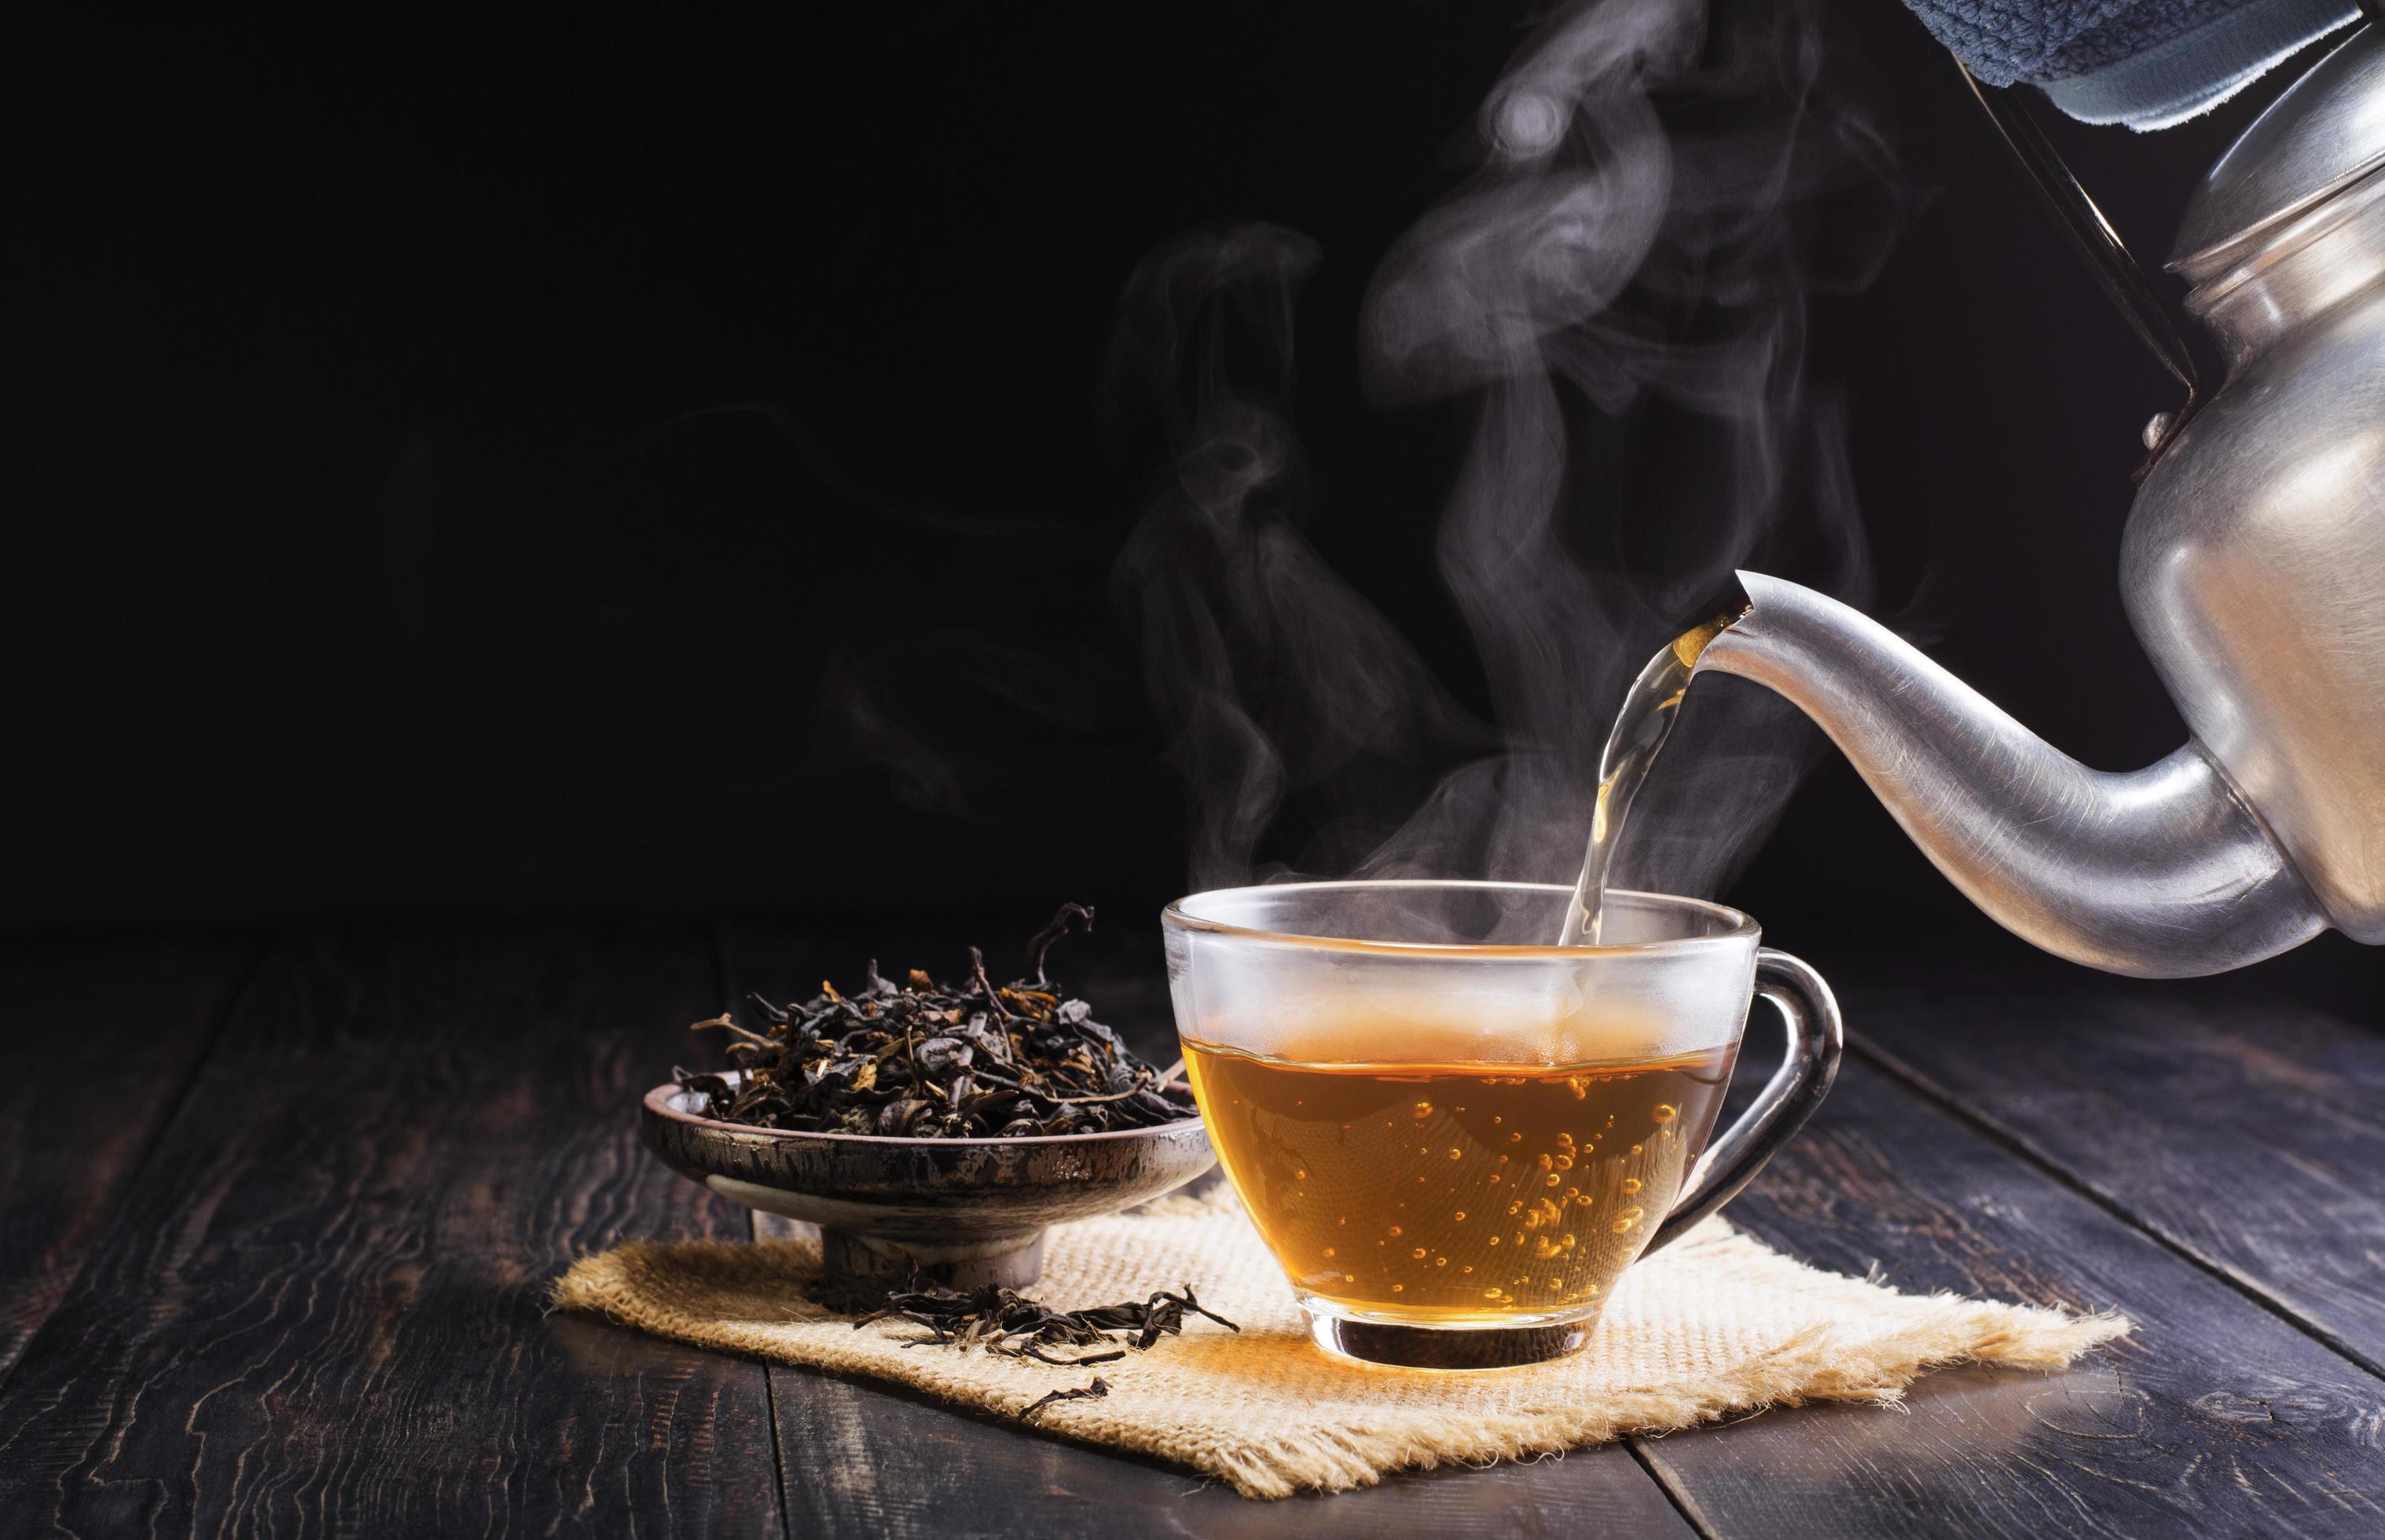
x: 1451, y: 1194
x: 1464, y: 986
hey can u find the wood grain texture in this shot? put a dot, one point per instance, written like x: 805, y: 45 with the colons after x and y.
x: 2247, y: 1132
x: 2216, y: 1419
x: 867, y: 1459
x: 97, y: 1041
x: 317, y: 1305
x: 320, y: 1305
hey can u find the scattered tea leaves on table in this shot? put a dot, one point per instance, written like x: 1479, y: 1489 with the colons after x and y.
x: 1093, y: 1392
x: 924, y: 1059
x: 1002, y: 1321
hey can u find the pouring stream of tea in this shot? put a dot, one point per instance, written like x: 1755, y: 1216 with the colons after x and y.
x: 1640, y: 732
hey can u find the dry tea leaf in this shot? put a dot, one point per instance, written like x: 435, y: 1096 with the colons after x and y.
x: 923, y: 1060
x: 1003, y: 1320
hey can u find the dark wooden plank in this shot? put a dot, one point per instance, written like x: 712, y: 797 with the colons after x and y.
x: 867, y: 1459
x: 320, y: 1308
x: 97, y: 1040
x: 2247, y: 1131
x: 2217, y: 1417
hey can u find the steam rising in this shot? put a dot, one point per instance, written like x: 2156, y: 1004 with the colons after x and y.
x: 1274, y: 675
x: 1617, y: 297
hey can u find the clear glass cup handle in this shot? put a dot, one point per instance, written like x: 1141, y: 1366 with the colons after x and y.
x: 1816, y: 1035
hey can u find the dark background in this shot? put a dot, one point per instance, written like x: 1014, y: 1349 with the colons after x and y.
x: 650, y: 459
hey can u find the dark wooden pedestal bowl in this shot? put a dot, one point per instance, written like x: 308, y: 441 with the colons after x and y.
x: 963, y: 1211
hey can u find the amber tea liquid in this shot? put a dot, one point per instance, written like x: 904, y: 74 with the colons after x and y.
x: 1457, y: 1193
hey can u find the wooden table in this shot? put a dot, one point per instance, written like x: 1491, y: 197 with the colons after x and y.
x: 279, y: 1213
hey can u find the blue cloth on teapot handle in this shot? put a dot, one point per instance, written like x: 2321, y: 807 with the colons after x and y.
x: 2147, y: 63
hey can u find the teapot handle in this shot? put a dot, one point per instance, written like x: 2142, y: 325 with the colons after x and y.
x: 2100, y: 246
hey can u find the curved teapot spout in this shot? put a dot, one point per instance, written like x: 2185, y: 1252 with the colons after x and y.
x: 2161, y: 872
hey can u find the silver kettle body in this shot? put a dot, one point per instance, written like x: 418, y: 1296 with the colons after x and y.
x: 2252, y: 569
x: 2254, y: 563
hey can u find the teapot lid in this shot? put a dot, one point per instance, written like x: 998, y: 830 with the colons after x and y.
x: 2328, y: 130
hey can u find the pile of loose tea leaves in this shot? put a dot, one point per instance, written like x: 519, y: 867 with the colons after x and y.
x: 924, y: 1059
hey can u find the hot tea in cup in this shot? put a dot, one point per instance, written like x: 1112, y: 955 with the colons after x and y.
x: 1455, y: 1140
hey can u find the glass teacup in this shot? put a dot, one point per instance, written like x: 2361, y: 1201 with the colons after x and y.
x: 1456, y: 1136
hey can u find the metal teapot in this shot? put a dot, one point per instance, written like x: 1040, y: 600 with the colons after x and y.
x: 2254, y: 571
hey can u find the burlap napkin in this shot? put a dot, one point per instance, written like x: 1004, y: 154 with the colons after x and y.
x: 1716, y: 1323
